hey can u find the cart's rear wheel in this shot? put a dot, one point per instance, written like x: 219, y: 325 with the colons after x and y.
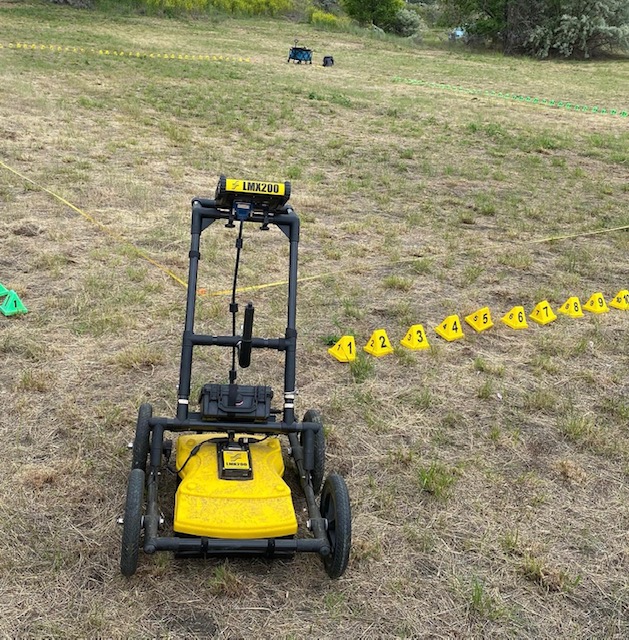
x: 132, y: 523
x: 335, y: 508
x: 141, y: 442
x: 317, y: 474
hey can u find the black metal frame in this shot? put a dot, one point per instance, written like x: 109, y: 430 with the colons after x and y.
x: 204, y: 213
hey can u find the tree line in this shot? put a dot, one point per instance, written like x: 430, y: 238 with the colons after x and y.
x: 541, y: 28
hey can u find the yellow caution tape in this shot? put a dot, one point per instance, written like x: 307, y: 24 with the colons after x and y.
x: 278, y: 283
x: 578, y: 235
x: 129, y: 54
x: 100, y: 225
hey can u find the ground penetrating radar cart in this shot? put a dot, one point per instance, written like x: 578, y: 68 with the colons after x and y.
x: 231, y: 497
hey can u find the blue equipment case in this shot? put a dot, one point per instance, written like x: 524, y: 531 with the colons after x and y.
x: 299, y: 55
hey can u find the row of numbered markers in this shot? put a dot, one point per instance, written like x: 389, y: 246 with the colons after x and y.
x: 451, y: 328
x: 10, y: 303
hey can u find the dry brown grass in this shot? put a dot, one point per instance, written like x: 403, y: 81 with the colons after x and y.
x: 488, y: 477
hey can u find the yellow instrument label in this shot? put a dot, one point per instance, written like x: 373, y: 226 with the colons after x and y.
x: 235, y: 460
x: 254, y: 186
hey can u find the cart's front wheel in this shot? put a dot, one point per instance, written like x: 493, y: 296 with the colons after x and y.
x: 141, y: 442
x: 132, y: 523
x: 335, y: 508
x: 317, y: 474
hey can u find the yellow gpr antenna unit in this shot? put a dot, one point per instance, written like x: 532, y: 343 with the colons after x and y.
x: 261, y: 194
x: 231, y: 497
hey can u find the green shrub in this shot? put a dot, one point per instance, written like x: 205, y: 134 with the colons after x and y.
x: 328, y: 21
x: 329, y: 6
x: 253, y: 7
x: 177, y: 6
x: 406, y: 23
x: 578, y: 35
x: 250, y: 7
x: 430, y: 12
x: 379, y: 12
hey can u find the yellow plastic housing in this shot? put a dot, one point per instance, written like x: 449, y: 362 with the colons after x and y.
x: 206, y: 505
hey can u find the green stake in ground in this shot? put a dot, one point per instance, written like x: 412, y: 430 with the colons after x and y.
x: 12, y: 305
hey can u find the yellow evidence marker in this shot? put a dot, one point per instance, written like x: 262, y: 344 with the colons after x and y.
x: 480, y: 320
x: 571, y: 308
x: 543, y: 313
x: 621, y: 300
x: 378, y: 344
x: 516, y: 318
x: 450, y: 328
x: 344, y: 350
x: 415, y: 338
x: 596, y: 304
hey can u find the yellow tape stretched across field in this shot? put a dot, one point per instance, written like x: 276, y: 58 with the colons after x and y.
x: 268, y: 285
x: 111, y: 52
x: 100, y: 225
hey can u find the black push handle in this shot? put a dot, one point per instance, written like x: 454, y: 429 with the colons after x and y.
x: 244, y: 355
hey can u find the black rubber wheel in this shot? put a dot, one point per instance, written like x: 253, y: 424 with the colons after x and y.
x: 132, y: 523
x: 141, y: 442
x: 318, y: 473
x: 335, y: 508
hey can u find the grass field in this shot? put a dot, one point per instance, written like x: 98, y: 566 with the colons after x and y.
x: 489, y: 476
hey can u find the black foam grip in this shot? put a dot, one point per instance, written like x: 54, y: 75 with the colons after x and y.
x: 244, y: 356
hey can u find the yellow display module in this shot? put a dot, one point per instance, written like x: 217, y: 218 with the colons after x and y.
x: 255, y: 186
x: 260, y: 193
x: 206, y: 505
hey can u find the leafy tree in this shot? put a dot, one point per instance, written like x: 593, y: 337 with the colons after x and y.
x: 581, y: 29
x: 406, y: 23
x: 379, y: 12
x: 568, y: 28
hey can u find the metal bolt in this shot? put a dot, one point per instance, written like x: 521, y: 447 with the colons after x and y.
x: 129, y: 445
x: 120, y: 520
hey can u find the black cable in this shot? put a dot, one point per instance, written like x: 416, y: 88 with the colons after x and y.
x: 197, y: 447
x: 193, y: 452
x: 232, y: 373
